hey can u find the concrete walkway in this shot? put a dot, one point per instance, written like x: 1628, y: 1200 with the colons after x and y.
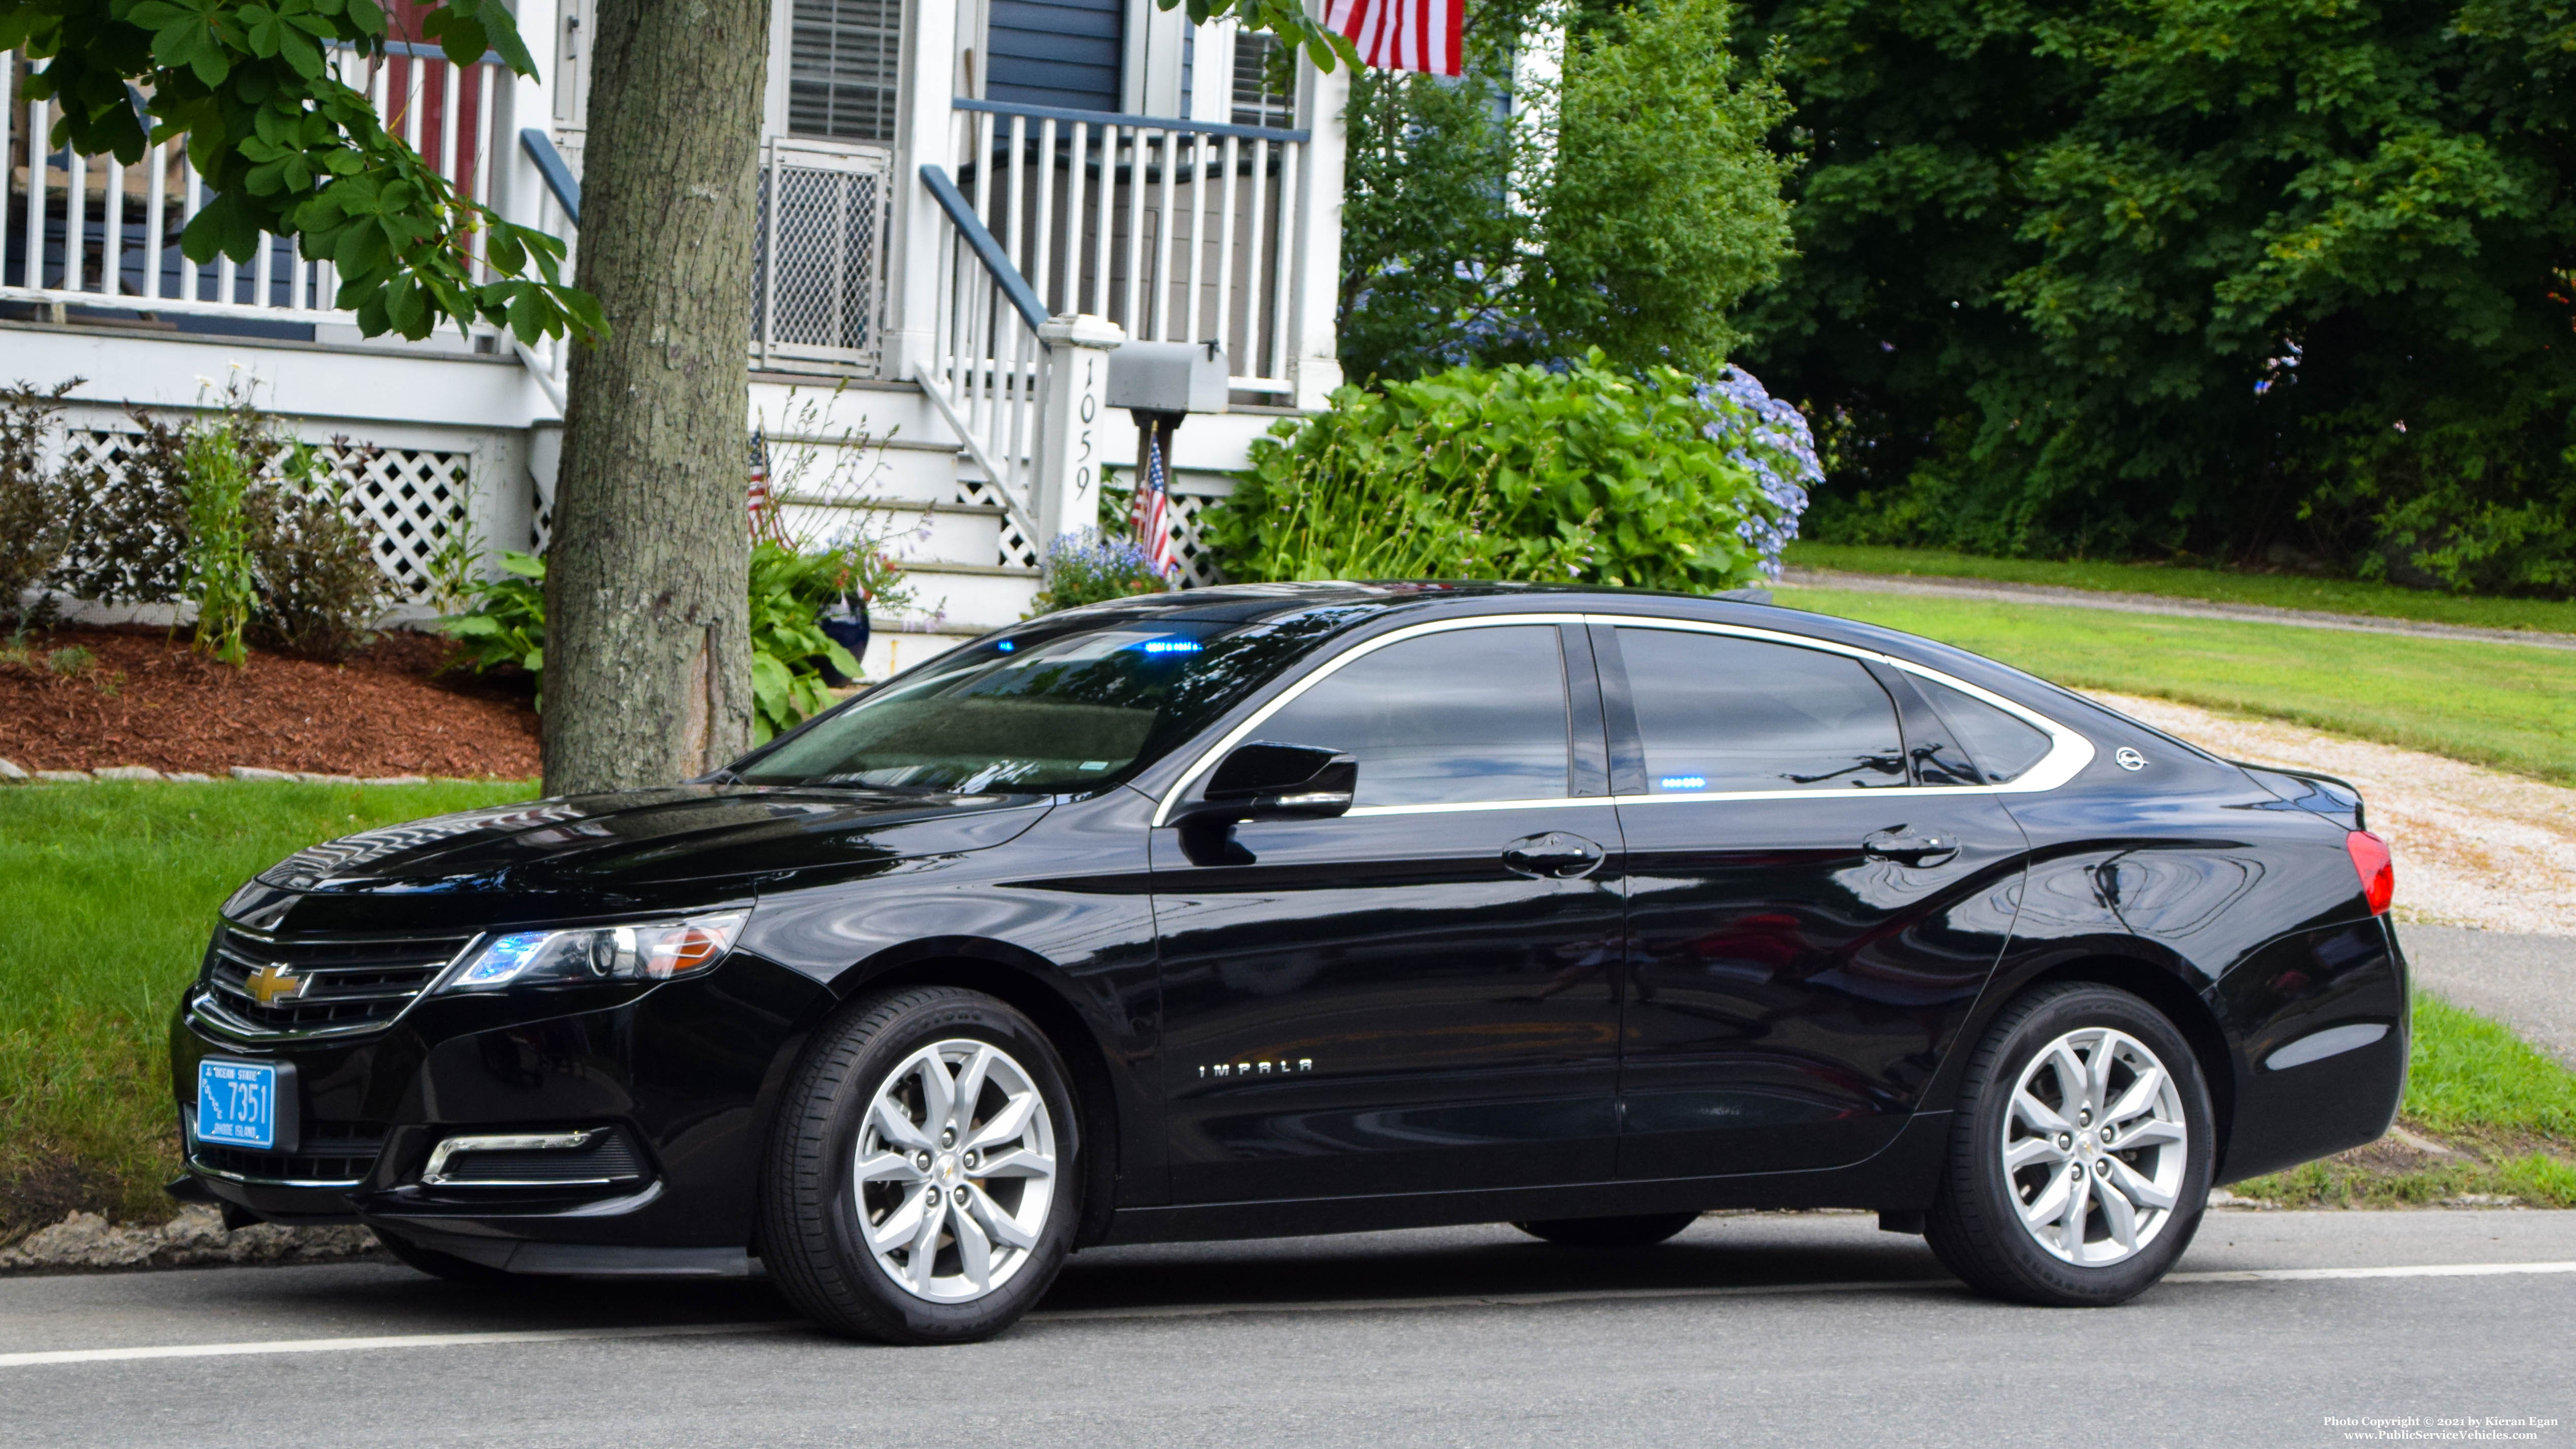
x: 2526, y: 982
x: 1990, y: 591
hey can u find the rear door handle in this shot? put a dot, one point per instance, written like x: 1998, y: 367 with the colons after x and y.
x: 1907, y: 847
x: 1555, y: 855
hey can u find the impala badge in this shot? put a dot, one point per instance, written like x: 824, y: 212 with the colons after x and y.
x: 276, y: 982
x: 1281, y: 1067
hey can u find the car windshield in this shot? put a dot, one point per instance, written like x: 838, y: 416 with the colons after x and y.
x: 1058, y: 710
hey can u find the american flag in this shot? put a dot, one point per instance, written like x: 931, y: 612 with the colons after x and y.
x: 1150, y: 515
x: 1418, y: 35
x: 763, y: 506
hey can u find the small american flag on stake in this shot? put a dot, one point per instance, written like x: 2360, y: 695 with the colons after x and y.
x: 1151, y: 514
x: 1418, y: 35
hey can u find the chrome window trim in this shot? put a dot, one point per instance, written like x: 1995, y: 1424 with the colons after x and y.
x: 2069, y: 751
x: 1207, y: 761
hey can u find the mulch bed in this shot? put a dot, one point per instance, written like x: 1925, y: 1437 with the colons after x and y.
x: 148, y: 699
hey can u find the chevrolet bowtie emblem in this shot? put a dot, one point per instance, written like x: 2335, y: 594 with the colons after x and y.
x: 275, y: 983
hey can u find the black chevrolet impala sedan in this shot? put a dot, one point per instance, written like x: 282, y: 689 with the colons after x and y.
x: 1316, y: 908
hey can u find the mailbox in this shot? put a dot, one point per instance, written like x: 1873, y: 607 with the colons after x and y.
x: 1168, y: 377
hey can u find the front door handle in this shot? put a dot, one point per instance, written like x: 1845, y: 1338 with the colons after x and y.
x: 1909, y: 847
x: 1555, y: 855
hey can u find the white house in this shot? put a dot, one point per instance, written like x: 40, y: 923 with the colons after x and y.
x: 938, y: 179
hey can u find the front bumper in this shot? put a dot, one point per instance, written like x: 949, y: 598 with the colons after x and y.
x: 676, y: 1072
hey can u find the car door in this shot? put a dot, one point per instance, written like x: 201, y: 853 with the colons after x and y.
x: 1420, y: 995
x: 1819, y: 886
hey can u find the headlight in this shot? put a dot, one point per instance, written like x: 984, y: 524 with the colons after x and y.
x: 652, y: 951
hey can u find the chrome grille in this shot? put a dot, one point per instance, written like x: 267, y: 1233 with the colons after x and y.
x: 348, y: 984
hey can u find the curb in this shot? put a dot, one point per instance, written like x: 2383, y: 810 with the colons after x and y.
x: 197, y: 1237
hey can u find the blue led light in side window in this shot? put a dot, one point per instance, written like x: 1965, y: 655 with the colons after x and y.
x: 1682, y: 782
x: 1006, y: 646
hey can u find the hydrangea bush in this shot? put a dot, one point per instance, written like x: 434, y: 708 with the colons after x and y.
x: 1769, y: 439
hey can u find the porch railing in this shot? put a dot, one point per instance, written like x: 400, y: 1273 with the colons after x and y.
x: 986, y: 375
x: 91, y: 232
x: 1175, y: 230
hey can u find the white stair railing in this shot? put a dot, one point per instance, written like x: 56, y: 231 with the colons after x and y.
x: 987, y: 370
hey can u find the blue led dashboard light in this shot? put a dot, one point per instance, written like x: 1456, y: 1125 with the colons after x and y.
x: 1170, y: 646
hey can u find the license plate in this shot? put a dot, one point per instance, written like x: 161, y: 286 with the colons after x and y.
x: 237, y: 1103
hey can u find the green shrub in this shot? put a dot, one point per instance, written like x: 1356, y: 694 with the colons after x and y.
x: 1517, y: 472
x: 220, y: 579
x: 506, y: 625
x: 38, y: 503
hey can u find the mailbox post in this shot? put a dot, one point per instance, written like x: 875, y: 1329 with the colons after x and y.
x: 1160, y: 384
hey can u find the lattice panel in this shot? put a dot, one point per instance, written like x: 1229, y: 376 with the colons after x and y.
x: 409, y: 501
x: 414, y: 499
x: 1017, y: 551
x: 819, y: 263
x: 1198, y: 566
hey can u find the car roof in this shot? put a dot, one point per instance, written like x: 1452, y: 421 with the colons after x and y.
x: 1356, y: 606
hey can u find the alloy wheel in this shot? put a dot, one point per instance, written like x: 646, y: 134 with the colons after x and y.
x: 955, y: 1171
x: 2094, y: 1147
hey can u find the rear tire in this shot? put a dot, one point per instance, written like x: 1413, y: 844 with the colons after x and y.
x: 923, y: 1179
x: 2080, y: 1152
x: 1642, y: 1231
x: 445, y: 1265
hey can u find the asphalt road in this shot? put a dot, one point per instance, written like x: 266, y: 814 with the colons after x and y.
x: 2526, y: 982
x: 1760, y: 1329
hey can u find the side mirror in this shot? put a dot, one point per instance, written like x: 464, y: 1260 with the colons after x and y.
x: 1266, y: 781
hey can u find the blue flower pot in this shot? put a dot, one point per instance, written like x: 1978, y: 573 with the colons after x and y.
x: 845, y: 624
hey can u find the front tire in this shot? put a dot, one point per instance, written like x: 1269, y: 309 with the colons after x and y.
x: 2079, y: 1152
x: 922, y: 1181
x: 1642, y: 1231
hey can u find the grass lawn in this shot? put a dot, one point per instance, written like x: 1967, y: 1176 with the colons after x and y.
x: 2506, y: 705
x: 2281, y: 591
x: 114, y: 888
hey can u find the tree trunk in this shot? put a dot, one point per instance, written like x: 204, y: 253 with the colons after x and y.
x: 648, y: 641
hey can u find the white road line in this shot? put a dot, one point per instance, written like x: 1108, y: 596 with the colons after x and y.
x: 392, y: 1340
x: 1215, y: 1310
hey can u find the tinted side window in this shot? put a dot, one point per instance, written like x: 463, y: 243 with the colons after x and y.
x: 1719, y: 713
x: 1450, y: 718
x: 2002, y: 746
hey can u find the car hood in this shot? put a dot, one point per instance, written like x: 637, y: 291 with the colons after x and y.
x: 678, y: 847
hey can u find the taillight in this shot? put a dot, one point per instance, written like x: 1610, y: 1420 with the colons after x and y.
x: 2377, y: 869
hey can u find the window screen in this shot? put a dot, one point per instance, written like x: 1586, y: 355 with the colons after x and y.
x: 1264, y: 87
x: 1450, y: 718
x: 842, y: 59
x: 1720, y: 713
x: 2002, y: 747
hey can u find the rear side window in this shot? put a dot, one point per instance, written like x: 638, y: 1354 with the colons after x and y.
x: 1452, y: 718
x: 2003, y: 747
x: 1721, y: 713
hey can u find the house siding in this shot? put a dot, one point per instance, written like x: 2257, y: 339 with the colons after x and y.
x: 1056, y: 52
